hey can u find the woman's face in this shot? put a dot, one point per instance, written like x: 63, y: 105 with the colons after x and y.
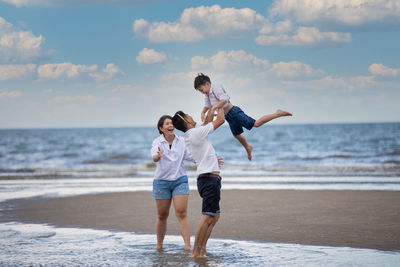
x: 167, y: 127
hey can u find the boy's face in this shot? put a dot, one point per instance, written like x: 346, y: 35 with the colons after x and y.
x: 205, y: 88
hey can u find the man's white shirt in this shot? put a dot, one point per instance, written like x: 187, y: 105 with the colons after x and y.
x: 203, y: 153
x: 170, y: 167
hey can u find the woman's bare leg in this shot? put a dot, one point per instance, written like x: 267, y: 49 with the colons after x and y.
x: 180, y: 204
x: 163, y: 206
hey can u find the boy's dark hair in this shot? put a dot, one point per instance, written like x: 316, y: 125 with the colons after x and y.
x: 161, y: 122
x: 178, y: 122
x: 200, y: 80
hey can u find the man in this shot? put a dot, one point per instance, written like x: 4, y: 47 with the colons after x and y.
x: 208, y: 179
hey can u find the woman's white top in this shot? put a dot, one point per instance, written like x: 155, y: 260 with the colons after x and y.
x: 170, y: 167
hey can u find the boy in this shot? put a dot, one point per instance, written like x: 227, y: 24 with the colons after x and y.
x: 216, y: 98
x: 208, y: 179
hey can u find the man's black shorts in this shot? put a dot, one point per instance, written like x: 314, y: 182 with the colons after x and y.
x: 209, y: 187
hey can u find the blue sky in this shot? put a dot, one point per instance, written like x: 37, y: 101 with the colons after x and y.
x: 117, y: 63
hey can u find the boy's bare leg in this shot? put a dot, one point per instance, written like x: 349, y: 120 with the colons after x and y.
x: 244, y: 143
x: 206, y: 222
x: 266, y: 118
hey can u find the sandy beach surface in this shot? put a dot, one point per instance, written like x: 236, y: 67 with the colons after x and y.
x: 362, y: 219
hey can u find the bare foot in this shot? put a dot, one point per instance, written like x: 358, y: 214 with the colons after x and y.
x: 282, y: 113
x: 248, y: 150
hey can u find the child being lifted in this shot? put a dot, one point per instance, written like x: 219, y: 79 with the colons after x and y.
x: 216, y: 97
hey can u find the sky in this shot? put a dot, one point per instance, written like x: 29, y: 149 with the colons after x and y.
x: 120, y: 63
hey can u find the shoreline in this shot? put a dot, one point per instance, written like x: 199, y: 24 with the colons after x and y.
x: 360, y: 219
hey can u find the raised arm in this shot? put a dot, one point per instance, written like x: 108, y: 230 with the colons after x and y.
x: 220, y: 119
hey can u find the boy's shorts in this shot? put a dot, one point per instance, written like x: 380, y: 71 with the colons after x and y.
x: 237, y: 119
x: 164, y: 189
x: 209, y: 187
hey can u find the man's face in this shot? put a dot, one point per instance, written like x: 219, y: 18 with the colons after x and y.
x: 205, y: 88
x: 190, y: 120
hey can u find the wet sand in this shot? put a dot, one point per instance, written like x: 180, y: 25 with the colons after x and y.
x: 362, y: 219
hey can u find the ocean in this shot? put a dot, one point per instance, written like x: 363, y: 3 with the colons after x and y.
x: 68, y: 162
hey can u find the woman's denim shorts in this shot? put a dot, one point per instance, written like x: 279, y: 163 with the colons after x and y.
x: 164, y: 189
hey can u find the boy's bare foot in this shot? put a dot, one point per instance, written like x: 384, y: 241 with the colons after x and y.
x: 248, y: 150
x: 282, y: 113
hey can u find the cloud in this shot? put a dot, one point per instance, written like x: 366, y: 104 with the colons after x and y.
x: 235, y: 59
x: 11, y: 71
x: 63, y: 70
x: 19, y: 46
x: 294, y: 69
x: 382, y: 70
x: 201, y: 23
x: 150, y: 56
x: 286, y: 35
x: 241, y: 60
x: 343, y: 13
x: 109, y: 72
x: 55, y: 3
x: 329, y: 82
x: 87, y: 99
x: 68, y: 70
x: 10, y: 94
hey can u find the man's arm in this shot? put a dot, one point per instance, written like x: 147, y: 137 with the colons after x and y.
x: 220, y: 119
x: 203, y: 114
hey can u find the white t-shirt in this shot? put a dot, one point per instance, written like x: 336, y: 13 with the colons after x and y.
x: 170, y: 167
x: 216, y: 94
x: 196, y: 140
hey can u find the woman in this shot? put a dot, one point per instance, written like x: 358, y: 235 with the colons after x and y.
x: 170, y: 181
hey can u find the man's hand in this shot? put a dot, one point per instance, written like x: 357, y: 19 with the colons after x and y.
x: 220, y: 162
x: 203, y: 117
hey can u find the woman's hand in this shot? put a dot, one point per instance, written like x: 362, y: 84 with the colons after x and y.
x: 157, y: 157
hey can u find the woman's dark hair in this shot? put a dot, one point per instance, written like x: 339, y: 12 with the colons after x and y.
x: 178, y: 122
x: 200, y: 80
x: 161, y: 122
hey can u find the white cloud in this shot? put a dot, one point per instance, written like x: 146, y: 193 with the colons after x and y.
x: 329, y: 82
x: 382, y: 70
x: 235, y: 59
x: 63, y: 70
x: 286, y: 35
x: 150, y: 56
x: 294, y: 69
x: 10, y: 94
x: 19, y: 46
x: 82, y: 99
x: 109, y: 72
x: 202, y: 22
x: 353, y: 13
x: 11, y: 71
x: 54, y: 3
x: 240, y: 60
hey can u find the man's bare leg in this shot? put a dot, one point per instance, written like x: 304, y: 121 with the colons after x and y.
x: 203, y: 249
x: 201, y: 234
x: 266, y: 118
x: 244, y: 143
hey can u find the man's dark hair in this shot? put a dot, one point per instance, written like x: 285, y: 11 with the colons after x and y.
x: 178, y: 122
x: 161, y: 122
x: 200, y: 80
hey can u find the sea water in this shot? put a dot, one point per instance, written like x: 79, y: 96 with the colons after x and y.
x: 43, y: 245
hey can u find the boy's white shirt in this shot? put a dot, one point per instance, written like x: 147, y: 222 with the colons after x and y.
x: 203, y: 153
x: 217, y: 90
x: 170, y: 167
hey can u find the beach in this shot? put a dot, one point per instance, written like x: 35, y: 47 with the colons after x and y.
x: 359, y: 219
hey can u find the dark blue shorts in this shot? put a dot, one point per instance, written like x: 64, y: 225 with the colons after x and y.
x: 209, y: 187
x: 237, y: 119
